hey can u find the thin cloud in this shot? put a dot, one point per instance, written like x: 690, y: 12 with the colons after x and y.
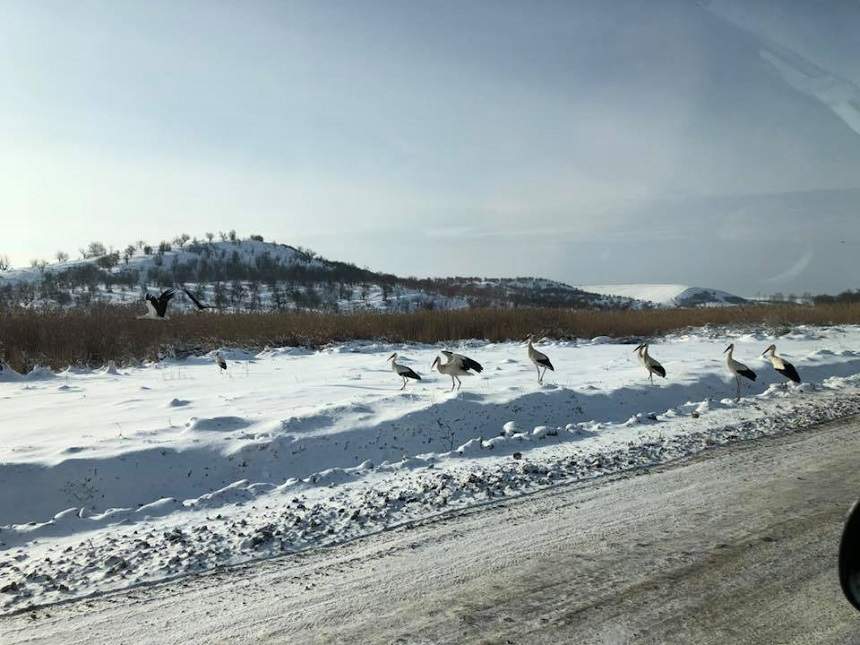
x: 794, y: 271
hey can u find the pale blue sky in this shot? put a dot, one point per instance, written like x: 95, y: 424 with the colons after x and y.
x: 712, y: 143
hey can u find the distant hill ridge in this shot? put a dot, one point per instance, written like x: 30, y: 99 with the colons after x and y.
x: 667, y: 295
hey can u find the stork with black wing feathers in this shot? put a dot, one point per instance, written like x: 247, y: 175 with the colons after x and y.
x: 403, y: 371
x: 738, y: 369
x: 457, y: 366
x: 781, y: 365
x: 539, y: 359
x: 156, y: 308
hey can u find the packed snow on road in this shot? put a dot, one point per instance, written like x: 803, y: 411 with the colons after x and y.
x: 112, y: 478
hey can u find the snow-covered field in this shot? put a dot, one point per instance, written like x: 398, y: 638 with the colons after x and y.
x: 117, y: 477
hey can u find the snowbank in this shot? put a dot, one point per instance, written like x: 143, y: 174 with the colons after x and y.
x: 292, y: 449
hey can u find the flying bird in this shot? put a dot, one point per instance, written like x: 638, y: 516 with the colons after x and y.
x: 738, y: 369
x: 781, y: 365
x: 200, y: 306
x: 539, y: 359
x: 402, y: 371
x: 156, y: 308
x: 457, y: 366
x: 649, y: 363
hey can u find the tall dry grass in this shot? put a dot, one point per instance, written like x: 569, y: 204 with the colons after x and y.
x: 93, y: 336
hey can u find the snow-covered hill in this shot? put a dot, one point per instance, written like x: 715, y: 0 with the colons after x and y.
x: 144, y: 259
x: 667, y: 295
x: 255, y: 275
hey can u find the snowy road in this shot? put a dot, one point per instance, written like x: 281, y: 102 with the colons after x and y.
x: 736, y: 545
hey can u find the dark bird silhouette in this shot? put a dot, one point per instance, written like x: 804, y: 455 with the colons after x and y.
x: 156, y: 308
x: 200, y: 306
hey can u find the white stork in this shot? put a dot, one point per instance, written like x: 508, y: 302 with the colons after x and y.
x: 156, y: 308
x: 781, y: 365
x: 539, y: 359
x: 457, y: 366
x: 468, y: 363
x: 220, y: 362
x: 738, y: 369
x: 649, y: 363
x: 402, y: 371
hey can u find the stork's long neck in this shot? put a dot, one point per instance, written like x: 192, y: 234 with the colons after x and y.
x: 729, y: 353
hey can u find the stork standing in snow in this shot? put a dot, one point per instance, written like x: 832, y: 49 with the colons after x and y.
x: 781, y: 365
x: 156, y: 308
x: 467, y: 362
x: 738, y: 369
x: 402, y: 371
x: 539, y: 359
x: 649, y: 363
x: 221, y: 363
x: 457, y: 366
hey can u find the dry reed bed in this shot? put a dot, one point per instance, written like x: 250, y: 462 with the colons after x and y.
x: 92, y: 336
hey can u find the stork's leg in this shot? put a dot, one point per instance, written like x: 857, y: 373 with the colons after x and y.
x: 452, y: 382
x: 538, y: 372
x: 542, y: 374
x: 403, y: 387
x: 651, y: 376
x: 738, y: 379
x: 459, y: 383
